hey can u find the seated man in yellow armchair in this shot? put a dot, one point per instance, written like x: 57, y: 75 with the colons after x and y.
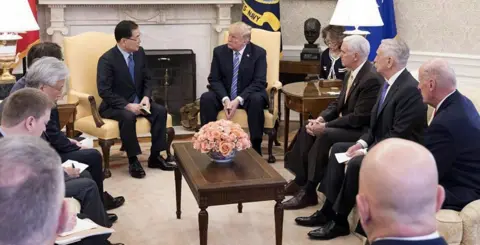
x: 124, y: 83
x: 237, y: 79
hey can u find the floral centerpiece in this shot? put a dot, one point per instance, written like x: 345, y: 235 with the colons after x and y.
x: 221, y: 140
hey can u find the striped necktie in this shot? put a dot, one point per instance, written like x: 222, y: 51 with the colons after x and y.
x: 236, y: 64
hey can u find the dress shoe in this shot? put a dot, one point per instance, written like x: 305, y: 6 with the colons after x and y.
x: 329, y: 231
x: 316, y: 219
x: 292, y: 188
x: 159, y: 162
x: 112, y: 218
x: 300, y: 200
x: 112, y: 202
x: 136, y: 170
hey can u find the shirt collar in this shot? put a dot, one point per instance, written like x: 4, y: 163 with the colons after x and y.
x: 357, y: 70
x: 124, y: 53
x: 241, y: 50
x: 431, y: 236
x: 394, y: 77
x: 441, y: 102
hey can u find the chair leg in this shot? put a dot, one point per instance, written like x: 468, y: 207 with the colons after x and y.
x: 170, y: 137
x: 106, y: 145
x: 272, y: 134
x: 277, y: 124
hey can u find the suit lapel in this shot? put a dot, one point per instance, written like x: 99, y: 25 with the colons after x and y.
x: 245, y: 60
x: 229, y: 66
x: 365, y: 68
x: 343, y: 93
x: 124, y: 71
x: 398, y: 82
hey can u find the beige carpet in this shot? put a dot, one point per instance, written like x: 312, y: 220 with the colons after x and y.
x: 148, y: 215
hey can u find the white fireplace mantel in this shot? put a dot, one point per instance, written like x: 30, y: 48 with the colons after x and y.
x: 198, y: 25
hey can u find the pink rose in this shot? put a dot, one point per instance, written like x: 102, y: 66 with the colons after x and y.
x: 225, y: 148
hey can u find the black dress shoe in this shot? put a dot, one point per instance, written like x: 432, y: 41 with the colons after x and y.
x: 112, y: 218
x: 159, y: 162
x: 112, y: 202
x: 136, y: 170
x: 300, y: 200
x: 329, y: 231
x: 316, y: 219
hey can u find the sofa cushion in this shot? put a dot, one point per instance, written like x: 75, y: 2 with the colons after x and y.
x: 240, y: 117
x: 450, y: 226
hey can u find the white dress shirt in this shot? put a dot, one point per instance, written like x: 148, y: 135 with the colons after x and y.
x: 240, y: 60
x: 390, y: 83
x: 434, y: 235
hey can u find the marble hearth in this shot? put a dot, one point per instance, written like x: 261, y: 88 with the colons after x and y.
x: 165, y: 24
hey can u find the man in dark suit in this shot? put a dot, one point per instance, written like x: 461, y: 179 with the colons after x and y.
x: 237, y: 79
x: 345, y: 120
x: 453, y: 135
x: 27, y: 112
x: 124, y: 83
x: 399, y: 112
x: 399, y: 210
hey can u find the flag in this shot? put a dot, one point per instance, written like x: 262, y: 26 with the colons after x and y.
x: 262, y: 14
x: 29, y: 38
x: 378, y: 33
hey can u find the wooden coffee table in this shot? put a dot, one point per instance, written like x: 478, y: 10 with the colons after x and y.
x: 249, y: 178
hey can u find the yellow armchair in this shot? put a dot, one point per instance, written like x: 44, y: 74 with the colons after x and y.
x: 270, y: 41
x: 81, y: 56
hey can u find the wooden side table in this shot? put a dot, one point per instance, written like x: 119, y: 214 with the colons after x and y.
x: 308, y: 99
x: 67, y: 112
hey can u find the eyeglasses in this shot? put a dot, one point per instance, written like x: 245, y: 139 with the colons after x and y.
x: 330, y: 42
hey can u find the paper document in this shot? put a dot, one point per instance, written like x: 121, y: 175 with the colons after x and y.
x: 74, y: 164
x: 87, y: 142
x: 145, y: 110
x: 82, y: 225
x: 342, y: 157
x: 333, y: 93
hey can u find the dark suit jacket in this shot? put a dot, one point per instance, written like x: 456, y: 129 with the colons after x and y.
x: 361, y: 98
x: 57, y: 139
x: 453, y: 137
x: 402, y: 115
x: 115, y: 85
x: 326, y: 64
x: 437, y: 241
x: 252, y: 73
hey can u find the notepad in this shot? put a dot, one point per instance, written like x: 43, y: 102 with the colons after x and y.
x: 342, y: 157
x: 87, y: 142
x: 74, y: 164
x: 333, y: 93
x: 145, y: 110
x: 83, y: 229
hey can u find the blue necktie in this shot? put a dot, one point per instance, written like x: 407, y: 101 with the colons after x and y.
x: 382, y: 99
x: 131, y: 69
x: 236, y: 64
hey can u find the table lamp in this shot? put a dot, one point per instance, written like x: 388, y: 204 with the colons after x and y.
x: 15, y: 17
x: 356, y: 13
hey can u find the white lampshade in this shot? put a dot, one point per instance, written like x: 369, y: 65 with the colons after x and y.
x: 16, y: 16
x: 356, y: 13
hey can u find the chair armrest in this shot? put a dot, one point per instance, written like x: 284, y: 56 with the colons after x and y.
x: 86, y: 98
x: 273, y: 97
x: 470, y: 215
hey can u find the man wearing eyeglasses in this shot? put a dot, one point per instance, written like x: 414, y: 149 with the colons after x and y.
x: 124, y: 84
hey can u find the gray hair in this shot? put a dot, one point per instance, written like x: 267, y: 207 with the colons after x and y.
x: 31, y: 190
x: 242, y: 29
x: 441, y: 71
x: 46, y: 71
x: 398, y: 49
x: 359, y: 45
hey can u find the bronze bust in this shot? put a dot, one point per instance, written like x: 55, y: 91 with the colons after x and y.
x: 311, y: 30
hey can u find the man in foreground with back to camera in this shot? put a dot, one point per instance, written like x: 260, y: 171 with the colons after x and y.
x: 399, y: 194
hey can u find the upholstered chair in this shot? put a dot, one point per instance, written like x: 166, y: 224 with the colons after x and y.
x: 81, y: 54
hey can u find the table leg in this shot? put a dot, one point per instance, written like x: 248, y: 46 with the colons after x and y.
x: 285, y: 136
x: 178, y: 191
x: 203, y: 225
x: 240, y: 207
x: 278, y: 222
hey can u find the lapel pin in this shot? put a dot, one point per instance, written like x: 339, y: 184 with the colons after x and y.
x: 248, y: 55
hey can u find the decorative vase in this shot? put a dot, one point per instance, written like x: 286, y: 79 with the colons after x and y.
x: 217, y: 157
